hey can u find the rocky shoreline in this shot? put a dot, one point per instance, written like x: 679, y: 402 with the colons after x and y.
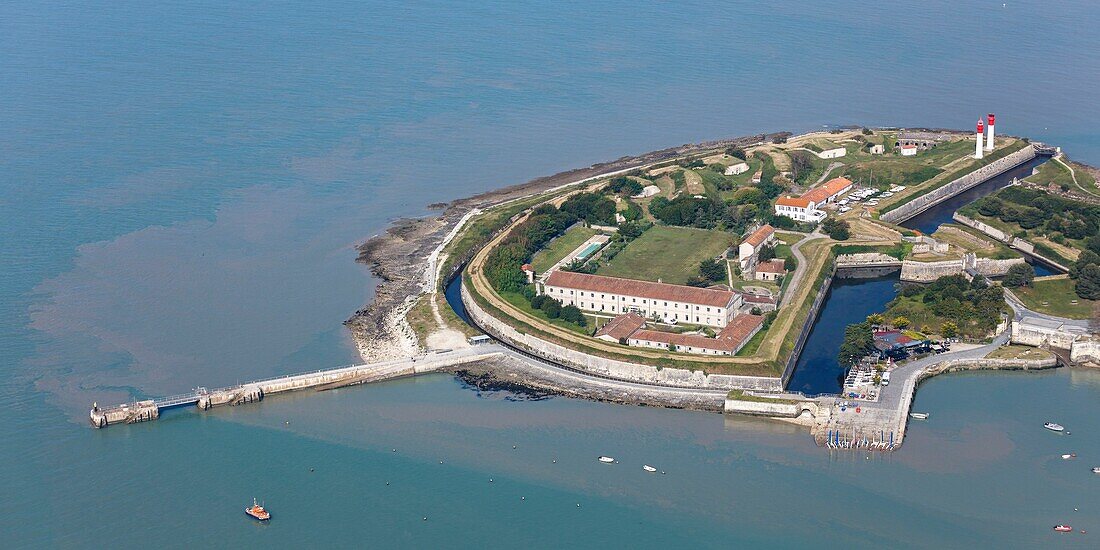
x: 402, y: 257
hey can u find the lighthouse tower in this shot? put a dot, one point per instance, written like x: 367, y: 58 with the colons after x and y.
x: 978, y: 144
x: 989, y: 138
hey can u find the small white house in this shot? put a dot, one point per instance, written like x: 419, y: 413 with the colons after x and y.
x: 739, y: 168
x: 833, y: 153
x: 908, y: 150
x: 877, y: 149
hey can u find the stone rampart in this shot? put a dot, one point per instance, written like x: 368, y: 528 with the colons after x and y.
x: 923, y: 272
x: 611, y: 368
x: 936, y: 196
x: 1015, y: 242
x: 757, y: 408
x: 1086, y: 350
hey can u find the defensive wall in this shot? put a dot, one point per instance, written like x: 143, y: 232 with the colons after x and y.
x: 923, y: 202
x: 610, y: 368
x: 1015, y: 242
x: 924, y: 272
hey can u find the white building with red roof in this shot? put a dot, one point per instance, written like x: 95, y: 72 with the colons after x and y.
x: 749, y: 249
x: 807, y: 207
x: 614, y: 296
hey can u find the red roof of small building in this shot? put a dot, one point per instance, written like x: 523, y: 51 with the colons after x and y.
x: 622, y: 326
x: 771, y: 266
x: 641, y: 289
x: 792, y: 201
x: 526, y: 267
x: 831, y: 188
x: 760, y: 235
x: 908, y: 146
x: 731, y: 337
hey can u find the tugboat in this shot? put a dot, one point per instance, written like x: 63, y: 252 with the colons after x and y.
x: 257, y: 512
x: 1054, y: 427
x: 1063, y: 528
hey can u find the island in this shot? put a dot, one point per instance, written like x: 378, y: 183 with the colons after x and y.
x: 693, y: 277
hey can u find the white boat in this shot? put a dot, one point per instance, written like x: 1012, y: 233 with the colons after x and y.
x: 606, y: 459
x: 1069, y: 456
x: 1096, y: 470
x: 919, y: 416
x: 1054, y: 427
x: 649, y: 468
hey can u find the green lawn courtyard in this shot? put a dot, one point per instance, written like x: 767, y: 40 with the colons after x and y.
x: 671, y: 254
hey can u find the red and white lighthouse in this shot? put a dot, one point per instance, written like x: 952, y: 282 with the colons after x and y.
x: 989, y: 138
x: 978, y: 144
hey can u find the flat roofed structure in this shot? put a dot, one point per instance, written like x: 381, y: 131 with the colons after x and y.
x: 614, y: 295
x: 728, y: 342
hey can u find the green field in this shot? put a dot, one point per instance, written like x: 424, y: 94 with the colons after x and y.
x: 1056, y: 297
x: 671, y: 254
x: 557, y: 249
x: 1052, y: 172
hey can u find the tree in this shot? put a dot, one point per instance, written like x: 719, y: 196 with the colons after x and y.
x: 552, y: 308
x: 779, y: 139
x: 789, y: 263
x: 802, y: 164
x: 631, y: 230
x: 736, y: 152
x: 858, y: 342
x: 573, y: 315
x: 876, y: 318
x: 756, y: 311
x: 949, y: 329
x: 837, y: 229
x: 712, y: 270
x: 901, y: 321
x: 868, y: 132
x: 1088, y: 282
x: 766, y: 253
x: 1019, y: 275
x: 537, y: 301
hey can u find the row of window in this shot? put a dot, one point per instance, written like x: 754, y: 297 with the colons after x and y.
x: 592, y: 307
x: 689, y: 349
x: 632, y: 300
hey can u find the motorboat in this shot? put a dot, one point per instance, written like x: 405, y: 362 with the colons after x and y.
x: 606, y: 459
x: 1063, y: 528
x: 649, y: 468
x: 1069, y: 456
x: 1054, y: 427
x: 257, y: 512
x: 919, y: 416
x: 1096, y: 470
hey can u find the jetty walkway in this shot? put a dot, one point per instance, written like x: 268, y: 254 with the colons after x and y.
x: 250, y: 392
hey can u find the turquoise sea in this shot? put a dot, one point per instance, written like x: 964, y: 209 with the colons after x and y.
x: 182, y: 186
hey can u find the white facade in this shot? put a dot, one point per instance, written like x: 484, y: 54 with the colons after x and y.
x: 877, y: 149
x: 614, y: 304
x: 739, y: 168
x: 799, y: 213
x: 908, y: 150
x: 832, y: 153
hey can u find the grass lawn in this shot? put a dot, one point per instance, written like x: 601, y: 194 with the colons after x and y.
x: 558, y: 248
x: 1052, y: 172
x: 753, y: 344
x: 671, y: 254
x: 1056, y: 297
x: 959, y: 171
x: 1016, y: 351
x: 789, y: 238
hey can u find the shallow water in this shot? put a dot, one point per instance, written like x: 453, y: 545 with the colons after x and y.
x: 181, y: 187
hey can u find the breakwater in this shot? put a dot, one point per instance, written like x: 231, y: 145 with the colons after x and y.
x: 252, y: 392
x: 959, y: 185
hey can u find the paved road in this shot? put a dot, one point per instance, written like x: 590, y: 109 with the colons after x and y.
x: 1022, y: 311
x: 802, y: 270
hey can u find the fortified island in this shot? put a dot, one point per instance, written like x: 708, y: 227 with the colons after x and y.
x: 692, y: 277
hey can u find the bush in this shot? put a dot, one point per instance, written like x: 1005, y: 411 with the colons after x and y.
x: 624, y: 186
x: 736, y: 152
x: 552, y: 308
x: 1088, y: 282
x: 537, y: 301
x: 712, y: 270
x: 867, y: 132
x: 573, y: 315
x: 1019, y: 275
x: 837, y: 229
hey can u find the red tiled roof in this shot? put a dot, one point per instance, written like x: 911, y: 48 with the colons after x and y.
x: 622, y: 326
x: 758, y: 299
x: 641, y: 289
x: 771, y: 266
x: 526, y: 267
x: 792, y: 201
x: 822, y: 193
x: 728, y: 340
x: 760, y: 235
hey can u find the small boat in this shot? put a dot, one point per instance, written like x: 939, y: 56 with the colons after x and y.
x: 1054, y: 427
x: 606, y: 459
x: 919, y: 416
x: 1069, y: 456
x: 1063, y: 528
x: 257, y: 512
x: 649, y: 468
x: 1096, y: 470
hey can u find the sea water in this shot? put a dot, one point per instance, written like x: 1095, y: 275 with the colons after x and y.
x: 182, y: 186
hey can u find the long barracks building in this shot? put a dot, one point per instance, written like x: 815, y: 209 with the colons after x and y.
x: 614, y: 296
